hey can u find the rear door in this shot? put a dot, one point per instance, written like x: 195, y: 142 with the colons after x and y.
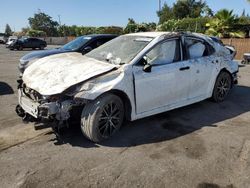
x: 29, y: 43
x: 26, y: 43
x: 203, y: 66
x: 35, y: 43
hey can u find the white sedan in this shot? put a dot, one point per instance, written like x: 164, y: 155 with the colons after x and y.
x: 130, y: 77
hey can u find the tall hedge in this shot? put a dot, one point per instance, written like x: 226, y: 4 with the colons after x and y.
x: 186, y: 24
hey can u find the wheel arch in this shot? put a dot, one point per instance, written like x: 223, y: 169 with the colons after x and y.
x: 227, y: 71
x: 125, y: 99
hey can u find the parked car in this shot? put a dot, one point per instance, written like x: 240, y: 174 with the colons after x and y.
x: 83, y: 44
x: 2, y: 40
x: 10, y: 40
x: 130, y: 77
x: 246, y: 58
x: 22, y: 43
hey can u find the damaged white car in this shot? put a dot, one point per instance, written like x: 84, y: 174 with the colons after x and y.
x: 130, y: 77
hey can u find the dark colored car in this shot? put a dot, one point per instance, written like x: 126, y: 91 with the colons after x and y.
x: 83, y: 44
x: 28, y: 43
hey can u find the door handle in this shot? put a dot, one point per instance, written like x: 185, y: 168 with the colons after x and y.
x: 184, y: 68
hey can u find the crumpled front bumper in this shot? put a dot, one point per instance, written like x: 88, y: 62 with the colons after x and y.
x: 50, y: 110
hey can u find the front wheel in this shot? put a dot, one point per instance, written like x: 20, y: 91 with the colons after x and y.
x: 222, y: 87
x: 102, y: 118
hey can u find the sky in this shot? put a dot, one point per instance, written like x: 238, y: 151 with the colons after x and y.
x: 95, y: 12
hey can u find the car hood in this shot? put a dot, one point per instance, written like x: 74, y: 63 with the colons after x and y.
x: 40, y: 54
x: 54, y: 74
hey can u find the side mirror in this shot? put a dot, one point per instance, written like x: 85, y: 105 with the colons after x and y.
x: 86, y: 50
x: 147, y: 68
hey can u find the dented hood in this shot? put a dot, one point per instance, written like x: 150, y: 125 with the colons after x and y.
x: 54, y: 74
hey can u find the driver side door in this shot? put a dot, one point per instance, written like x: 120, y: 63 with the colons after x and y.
x: 28, y: 43
x: 167, y: 84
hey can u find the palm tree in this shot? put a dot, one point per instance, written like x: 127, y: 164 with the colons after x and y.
x: 222, y: 24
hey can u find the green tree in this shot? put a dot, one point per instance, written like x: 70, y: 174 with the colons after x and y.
x: 165, y: 14
x: 36, y: 33
x: 8, y: 30
x: 184, y: 9
x: 185, y: 24
x: 131, y: 26
x: 223, y: 25
x: 207, y: 11
x: 188, y: 8
x: 43, y: 22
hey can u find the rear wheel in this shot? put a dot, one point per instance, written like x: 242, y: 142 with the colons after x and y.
x: 102, y: 118
x: 222, y: 87
x: 42, y: 47
x: 20, y: 48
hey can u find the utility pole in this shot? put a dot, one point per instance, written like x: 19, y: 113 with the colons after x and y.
x: 59, y: 18
x: 159, y: 5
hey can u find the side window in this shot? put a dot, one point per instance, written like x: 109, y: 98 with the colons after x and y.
x: 31, y: 40
x: 96, y: 43
x: 100, y: 42
x: 164, y: 53
x: 93, y: 44
x: 198, y: 48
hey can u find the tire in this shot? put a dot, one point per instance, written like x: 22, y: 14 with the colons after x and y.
x: 42, y: 47
x: 20, y: 48
x: 222, y: 87
x: 102, y: 118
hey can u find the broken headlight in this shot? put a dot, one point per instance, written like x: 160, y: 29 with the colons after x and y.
x: 87, y: 86
x: 78, y: 88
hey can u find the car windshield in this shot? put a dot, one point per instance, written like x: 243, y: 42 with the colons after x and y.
x: 22, y: 39
x: 120, y: 50
x: 76, y: 44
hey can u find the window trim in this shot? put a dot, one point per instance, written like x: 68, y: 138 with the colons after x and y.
x: 159, y: 43
x: 197, y: 39
x: 94, y: 39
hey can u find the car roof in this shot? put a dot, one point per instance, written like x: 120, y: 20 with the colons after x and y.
x: 149, y: 34
x: 171, y: 34
x: 100, y: 35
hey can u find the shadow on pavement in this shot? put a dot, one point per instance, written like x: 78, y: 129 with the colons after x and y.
x: 5, y: 89
x: 168, y: 125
